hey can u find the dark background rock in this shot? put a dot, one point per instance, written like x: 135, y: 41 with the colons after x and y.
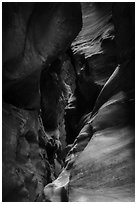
x: 36, y: 90
x: 34, y: 35
x: 25, y: 165
x: 38, y: 36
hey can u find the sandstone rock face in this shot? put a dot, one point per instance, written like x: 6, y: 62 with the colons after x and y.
x: 100, y: 166
x: 38, y: 37
x: 25, y: 164
x: 105, y: 170
x: 99, y: 163
x: 97, y: 40
x: 124, y: 77
x: 34, y: 35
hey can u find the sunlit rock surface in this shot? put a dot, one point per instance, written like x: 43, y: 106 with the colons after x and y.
x: 100, y: 166
x: 96, y: 39
x: 96, y: 25
x: 105, y: 170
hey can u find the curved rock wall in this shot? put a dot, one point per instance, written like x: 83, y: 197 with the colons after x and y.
x: 100, y: 165
x: 96, y: 39
x: 38, y: 36
x: 26, y: 168
x: 34, y: 36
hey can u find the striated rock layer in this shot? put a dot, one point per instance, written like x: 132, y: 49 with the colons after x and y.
x: 100, y: 165
x: 105, y: 170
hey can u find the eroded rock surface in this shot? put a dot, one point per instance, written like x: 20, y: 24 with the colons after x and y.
x: 34, y: 36
x: 100, y: 165
x: 38, y: 36
x: 41, y: 76
x: 26, y: 168
x: 105, y: 170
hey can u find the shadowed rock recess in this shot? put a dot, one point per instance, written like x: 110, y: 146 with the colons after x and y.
x: 68, y: 94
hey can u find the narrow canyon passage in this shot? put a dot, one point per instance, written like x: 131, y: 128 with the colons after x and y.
x: 68, y: 102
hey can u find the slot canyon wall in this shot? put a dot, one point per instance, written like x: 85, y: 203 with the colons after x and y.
x: 34, y: 36
x: 68, y: 104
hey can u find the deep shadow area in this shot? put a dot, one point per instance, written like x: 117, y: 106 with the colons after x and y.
x: 68, y: 94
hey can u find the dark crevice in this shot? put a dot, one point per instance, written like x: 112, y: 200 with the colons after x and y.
x: 68, y: 101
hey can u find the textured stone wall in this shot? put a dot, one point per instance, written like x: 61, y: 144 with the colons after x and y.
x: 34, y: 36
x: 100, y: 166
